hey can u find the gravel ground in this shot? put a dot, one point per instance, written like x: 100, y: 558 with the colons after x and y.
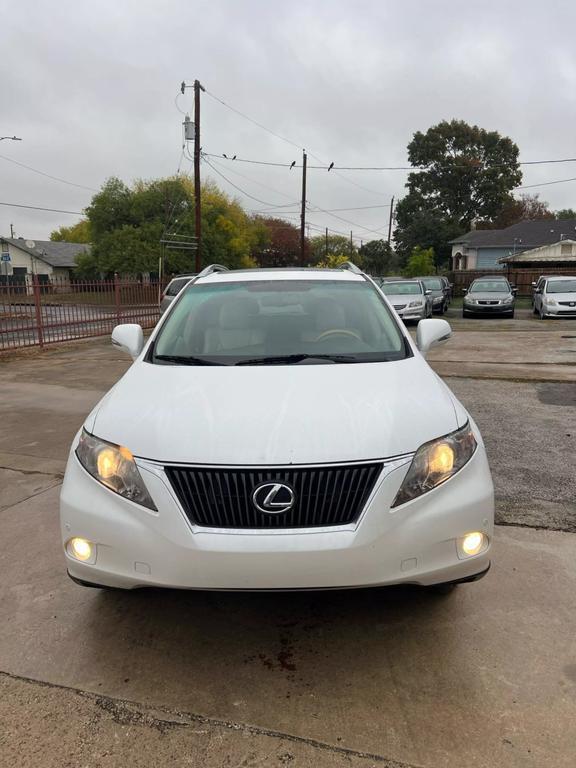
x: 530, y: 435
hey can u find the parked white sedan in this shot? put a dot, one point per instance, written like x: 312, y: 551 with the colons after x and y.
x: 555, y: 297
x: 280, y: 429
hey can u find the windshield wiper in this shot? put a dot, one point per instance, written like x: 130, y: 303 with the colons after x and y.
x: 294, y: 359
x: 186, y: 360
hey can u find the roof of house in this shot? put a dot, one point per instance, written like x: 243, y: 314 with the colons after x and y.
x: 526, y: 234
x: 544, y: 253
x: 57, y: 254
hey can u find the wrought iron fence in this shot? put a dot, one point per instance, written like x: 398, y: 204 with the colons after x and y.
x: 37, y: 312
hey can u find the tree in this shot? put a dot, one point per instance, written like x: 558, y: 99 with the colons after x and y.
x: 76, y: 233
x: 277, y: 243
x: 467, y: 173
x: 333, y: 251
x: 515, y: 210
x: 378, y: 258
x: 565, y: 213
x: 127, y: 225
x: 423, y: 225
x: 421, y: 262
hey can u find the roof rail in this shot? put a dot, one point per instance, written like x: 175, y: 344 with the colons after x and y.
x: 212, y: 268
x: 352, y: 267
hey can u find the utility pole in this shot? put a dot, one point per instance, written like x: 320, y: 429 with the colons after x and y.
x: 12, y: 230
x: 303, y: 211
x: 197, y: 192
x: 326, y: 242
x: 391, y: 220
x: 351, y: 245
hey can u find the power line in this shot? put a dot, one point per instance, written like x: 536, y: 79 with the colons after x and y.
x: 260, y: 184
x: 41, y: 208
x: 546, y: 183
x: 48, y: 175
x: 325, y: 166
x: 247, y: 194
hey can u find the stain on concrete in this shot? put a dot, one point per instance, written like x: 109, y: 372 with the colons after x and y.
x: 557, y: 393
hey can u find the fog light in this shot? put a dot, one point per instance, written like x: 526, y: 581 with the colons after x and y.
x: 473, y: 543
x: 81, y: 549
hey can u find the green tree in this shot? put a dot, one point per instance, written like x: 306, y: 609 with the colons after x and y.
x: 127, y: 224
x: 76, y: 233
x: 332, y: 252
x: 465, y: 173
x: 421, y: 262
x: 378, y: 258
x: 565, y: 213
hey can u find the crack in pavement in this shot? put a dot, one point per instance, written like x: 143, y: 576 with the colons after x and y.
x: 127, y: 712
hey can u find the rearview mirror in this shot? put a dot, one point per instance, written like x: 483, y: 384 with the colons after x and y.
x: 128, y: 337
x: 430, y: 333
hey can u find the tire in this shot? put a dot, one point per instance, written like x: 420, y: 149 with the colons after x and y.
x: 512, y: 315
x: 542, y: 315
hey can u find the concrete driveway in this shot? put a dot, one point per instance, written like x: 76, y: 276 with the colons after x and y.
x: 398, y: 677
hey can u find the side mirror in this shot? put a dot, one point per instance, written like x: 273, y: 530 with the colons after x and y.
x: 514, y: 290
x: 533, y: 285
x: 128, y: 337
x: 430, y: 333
x: 427, y: 292
x: 538, y: 290
x: 464, y: 290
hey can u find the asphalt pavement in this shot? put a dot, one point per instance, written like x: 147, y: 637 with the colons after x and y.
x: 397, y: 677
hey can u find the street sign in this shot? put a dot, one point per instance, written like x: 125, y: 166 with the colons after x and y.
x: 5, y: 257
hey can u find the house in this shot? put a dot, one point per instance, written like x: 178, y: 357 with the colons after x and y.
x: 486, y: 248
x: 44, y: 258
x: 560, y: 254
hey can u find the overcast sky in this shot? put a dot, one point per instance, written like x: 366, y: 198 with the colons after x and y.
x: 91, y: 86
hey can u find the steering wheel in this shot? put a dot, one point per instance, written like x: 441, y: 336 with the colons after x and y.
x: 338, y: 332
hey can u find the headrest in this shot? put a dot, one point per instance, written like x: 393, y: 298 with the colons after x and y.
x: 236, y: 314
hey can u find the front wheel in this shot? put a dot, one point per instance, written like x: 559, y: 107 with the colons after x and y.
x: 542, y: 314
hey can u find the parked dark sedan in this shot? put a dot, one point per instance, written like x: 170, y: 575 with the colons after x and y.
x: 489, y: 296
x: 438, y: 291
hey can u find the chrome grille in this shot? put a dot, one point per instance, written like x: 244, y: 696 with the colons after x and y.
x: 215, y: 497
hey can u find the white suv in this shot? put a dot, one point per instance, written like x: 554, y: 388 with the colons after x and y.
x: 280, y: 429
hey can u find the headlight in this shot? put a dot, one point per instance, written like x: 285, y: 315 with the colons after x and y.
x: 468, y: 300
x: 436, y: 462
x: 418, y: 303
x: 551, y: 302
x: 114, y: 467
x: 508, y: 300
x: 437, y: 299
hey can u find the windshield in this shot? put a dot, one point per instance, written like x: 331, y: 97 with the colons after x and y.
x: 279, y: 321
x: 400, y: 289
x: 176, y: 285
x: 432, y: 283
x: 489, y: 286
x: 561, y: 286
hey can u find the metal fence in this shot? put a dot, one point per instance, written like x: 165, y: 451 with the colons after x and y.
x: 39, y: 312
x: 522, y: 278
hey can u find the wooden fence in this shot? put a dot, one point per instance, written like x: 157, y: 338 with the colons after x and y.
x: 522, y: 278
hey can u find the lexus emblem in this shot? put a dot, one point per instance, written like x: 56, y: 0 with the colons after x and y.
x: 273, y: 498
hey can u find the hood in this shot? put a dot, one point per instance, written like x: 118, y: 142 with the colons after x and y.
x: 404, y: 298
x: 276, y: 414
x: 562, y: 296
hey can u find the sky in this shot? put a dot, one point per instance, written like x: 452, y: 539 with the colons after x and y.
x: 92, y: 88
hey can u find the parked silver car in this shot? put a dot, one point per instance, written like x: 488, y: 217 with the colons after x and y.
x: 173, y: 289
x: 489, y: 296
x: 409, y: 298
x: 556, y: 297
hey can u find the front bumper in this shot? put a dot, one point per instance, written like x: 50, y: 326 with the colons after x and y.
x: 559, y: 311
x: 488, y: 309
x: 411, y: 313
x: 414, y: 543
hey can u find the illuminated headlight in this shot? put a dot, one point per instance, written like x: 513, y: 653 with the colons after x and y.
x: 418, y: 303
x: 550, y: 302
x: 436, y: 462
x: 472, y: 544
x: 114, y: 467
x: 81, y: 549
